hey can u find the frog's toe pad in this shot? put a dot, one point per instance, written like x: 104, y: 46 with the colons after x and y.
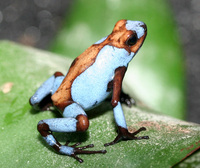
x: 80, y: 150
x: 127, y: 100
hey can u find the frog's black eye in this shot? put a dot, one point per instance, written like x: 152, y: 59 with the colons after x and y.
x: 132, y: 40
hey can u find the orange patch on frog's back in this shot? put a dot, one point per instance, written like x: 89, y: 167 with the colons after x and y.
x: 62, y: 97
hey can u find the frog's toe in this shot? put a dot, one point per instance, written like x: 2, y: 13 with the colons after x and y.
x: 126, y: 99
x: 80, y: 150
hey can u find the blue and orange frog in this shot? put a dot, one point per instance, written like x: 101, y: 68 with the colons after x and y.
x: 93, y: 76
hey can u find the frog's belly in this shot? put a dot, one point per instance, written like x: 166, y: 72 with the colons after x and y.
x: 90, y: 88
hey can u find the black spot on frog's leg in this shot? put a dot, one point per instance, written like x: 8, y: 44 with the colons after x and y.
x: 109, y: 86
x: 96, y: 102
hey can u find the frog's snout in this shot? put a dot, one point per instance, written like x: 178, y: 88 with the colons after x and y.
x: 137, y: 26
x: 144, y: 26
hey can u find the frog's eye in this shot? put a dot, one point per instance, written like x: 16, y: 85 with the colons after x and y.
x: 132, y: 40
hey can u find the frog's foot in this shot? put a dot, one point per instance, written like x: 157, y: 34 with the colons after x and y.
x: 126, y: 99
x: 123, y: 134
x: 80, y: 150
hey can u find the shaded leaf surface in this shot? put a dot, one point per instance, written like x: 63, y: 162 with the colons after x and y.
x: 21, y: 145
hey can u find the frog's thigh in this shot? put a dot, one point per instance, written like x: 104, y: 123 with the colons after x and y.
x: 42, y: 91
x: 75, y: 119
x: 46, y: 88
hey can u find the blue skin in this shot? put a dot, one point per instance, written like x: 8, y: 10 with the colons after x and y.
x: 97, y: 76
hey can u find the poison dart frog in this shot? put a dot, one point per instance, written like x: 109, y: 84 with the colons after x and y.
x: 93, y: 76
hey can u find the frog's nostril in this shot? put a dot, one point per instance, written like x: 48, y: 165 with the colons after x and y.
x: 144, y: 27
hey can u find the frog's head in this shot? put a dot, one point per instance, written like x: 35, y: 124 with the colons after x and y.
x: 128, y: 34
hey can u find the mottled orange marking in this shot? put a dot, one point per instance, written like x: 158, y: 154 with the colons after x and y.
x: 63, y: 95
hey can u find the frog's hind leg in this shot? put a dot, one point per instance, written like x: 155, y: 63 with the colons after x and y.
x: 75, y: 120
x: 41, y: 100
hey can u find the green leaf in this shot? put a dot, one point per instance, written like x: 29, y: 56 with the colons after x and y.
x: 170, y: 141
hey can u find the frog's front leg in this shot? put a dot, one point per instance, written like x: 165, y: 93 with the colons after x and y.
x: 75, y: 119
x: 120, y: 120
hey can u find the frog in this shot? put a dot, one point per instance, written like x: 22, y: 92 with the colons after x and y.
x: 93, y: 76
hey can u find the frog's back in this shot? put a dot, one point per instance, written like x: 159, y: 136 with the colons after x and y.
x: 79, y: 65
